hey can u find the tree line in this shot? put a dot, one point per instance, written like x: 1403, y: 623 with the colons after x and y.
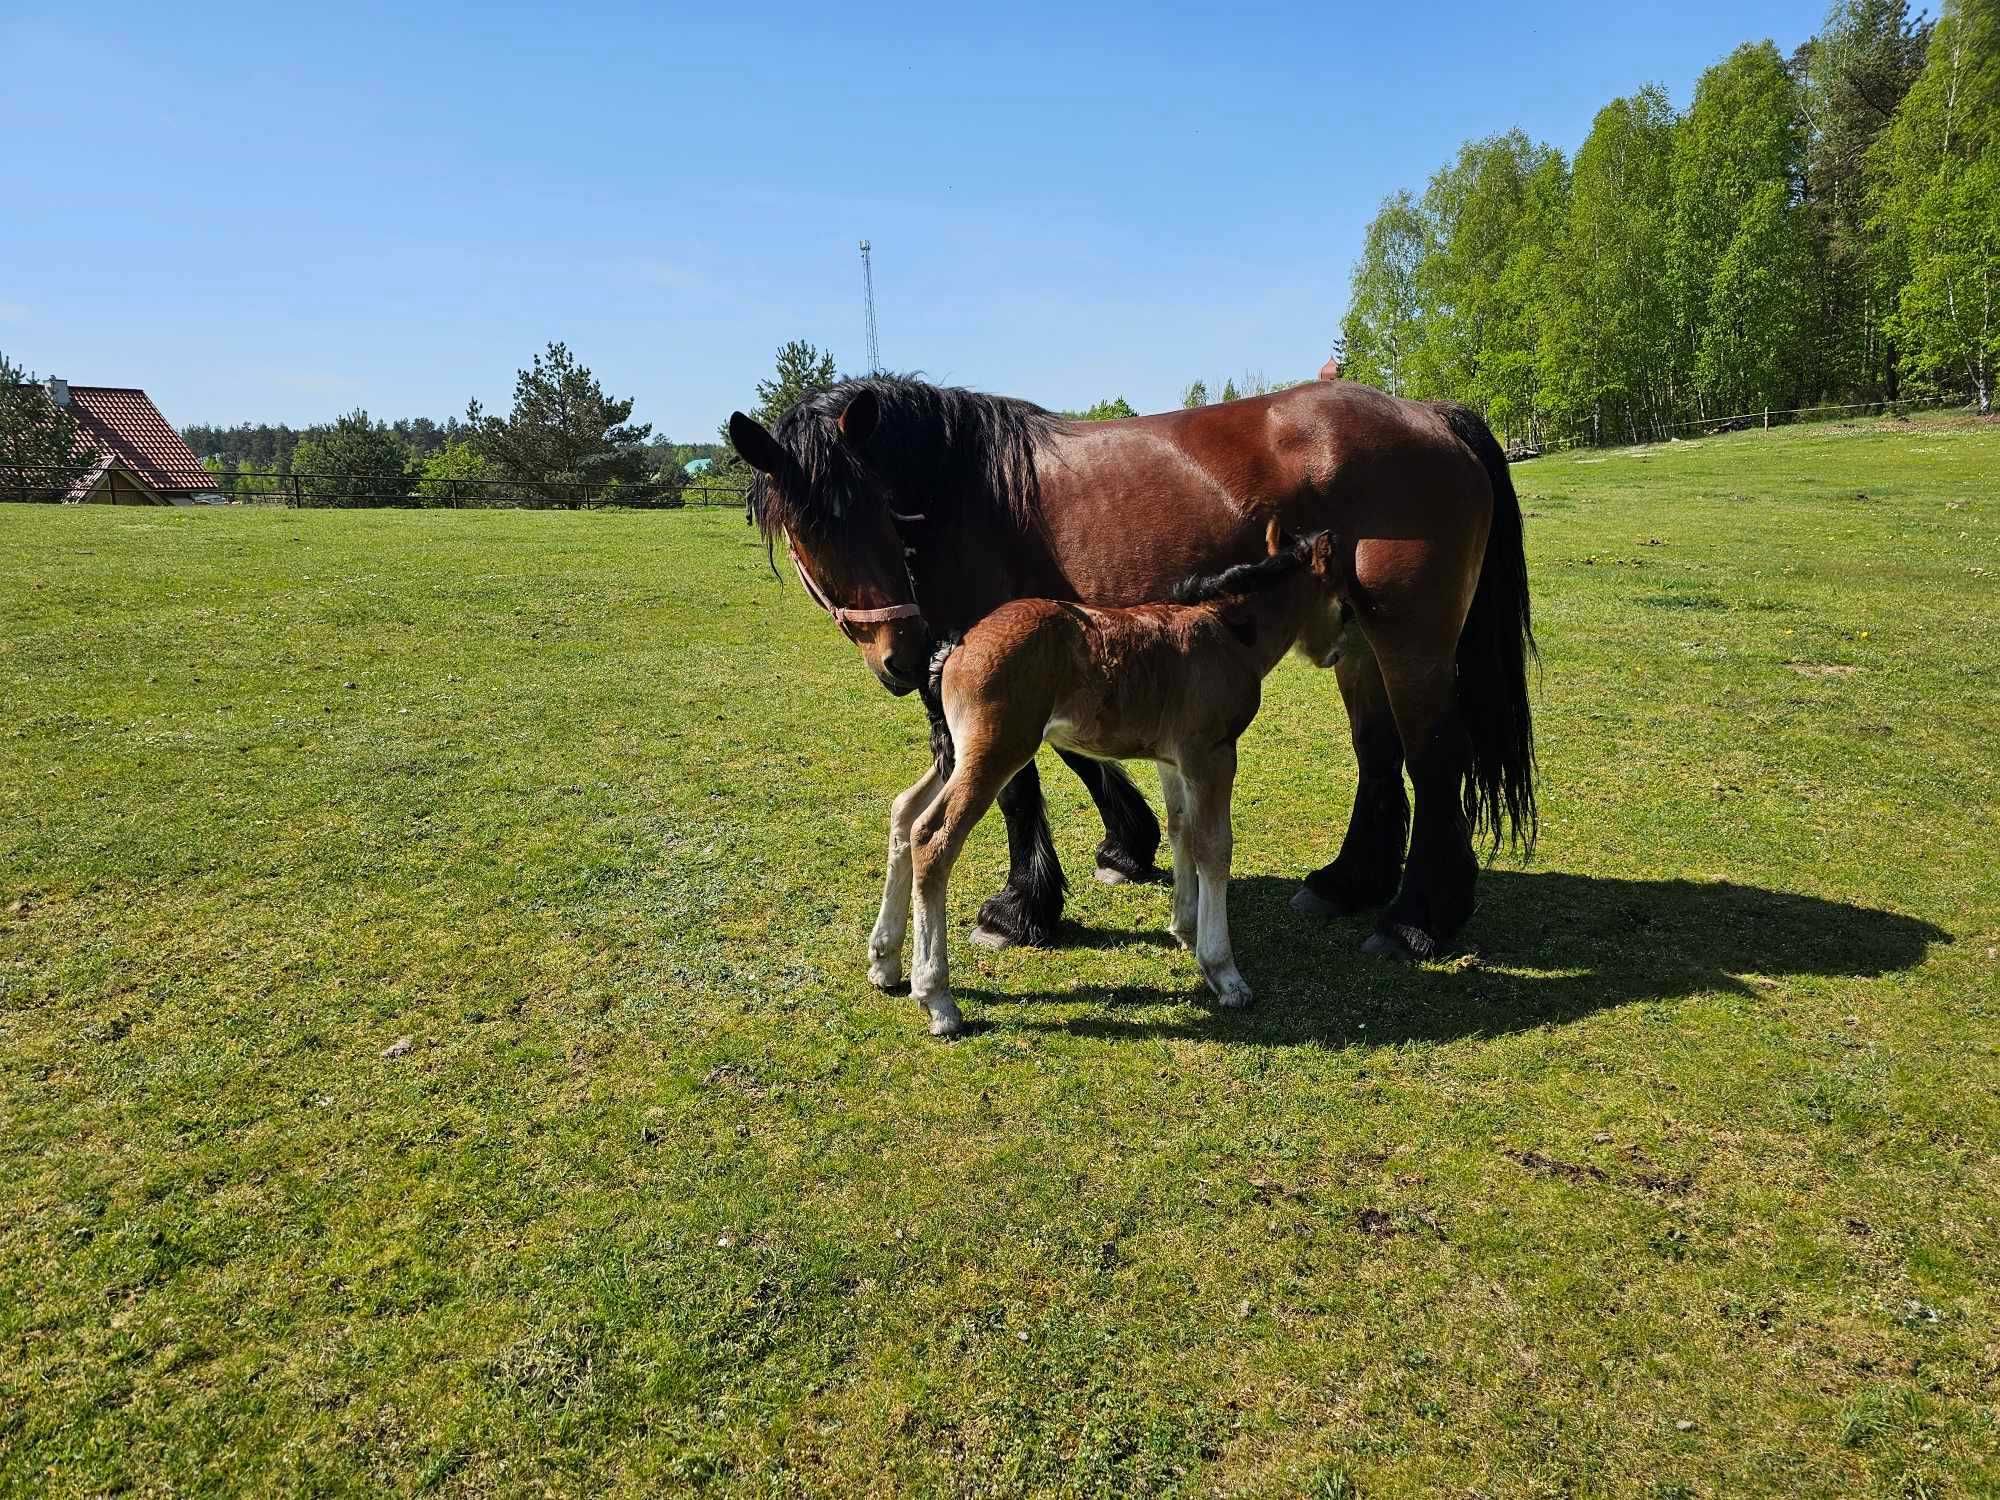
x: 1819, y: 228
x: 563, y: 441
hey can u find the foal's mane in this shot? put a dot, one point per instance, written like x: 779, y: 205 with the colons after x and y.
x: 938, y: 447
x: 1244, y: 578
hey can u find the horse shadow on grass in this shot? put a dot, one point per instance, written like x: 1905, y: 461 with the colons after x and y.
x: 1542, y: 949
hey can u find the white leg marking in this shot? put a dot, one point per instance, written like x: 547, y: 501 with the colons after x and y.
x: 930, y: 976
x: 1173, y: 790
x: 1214, y: 842
x: 885, y: 944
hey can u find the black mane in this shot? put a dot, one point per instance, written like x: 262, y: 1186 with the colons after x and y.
x: 1244, y: 578
x: 933, y: 445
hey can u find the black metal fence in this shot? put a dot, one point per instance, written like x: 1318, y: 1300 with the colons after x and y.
x: 371, y: 491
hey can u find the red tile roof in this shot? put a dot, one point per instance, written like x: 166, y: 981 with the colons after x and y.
x: 129, y: 429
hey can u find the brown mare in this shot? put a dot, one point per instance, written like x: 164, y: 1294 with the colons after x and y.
x: 1175, y: 683
x: 896, y: 494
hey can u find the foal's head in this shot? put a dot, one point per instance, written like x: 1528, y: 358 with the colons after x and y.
x: 1326, y: 613
x: 815, y: 488
x: 1301, y: 584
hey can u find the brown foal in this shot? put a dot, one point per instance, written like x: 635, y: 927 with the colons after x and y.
x: 1175, y: 683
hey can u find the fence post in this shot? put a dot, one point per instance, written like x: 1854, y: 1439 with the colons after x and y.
x: 1767, y: 416
x: 298, y: 499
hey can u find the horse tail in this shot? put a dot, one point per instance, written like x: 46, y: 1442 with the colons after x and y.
x: 1493, y: 653
x: 943, y: 752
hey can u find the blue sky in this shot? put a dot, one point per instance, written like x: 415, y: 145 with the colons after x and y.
x: 280, y: 213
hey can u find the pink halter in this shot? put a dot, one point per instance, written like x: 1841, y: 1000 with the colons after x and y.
x: 846, y: 619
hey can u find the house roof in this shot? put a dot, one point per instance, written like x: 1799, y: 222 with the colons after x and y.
x: 129, y: 429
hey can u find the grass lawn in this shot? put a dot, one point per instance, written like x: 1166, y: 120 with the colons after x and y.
x: 436, y: 1053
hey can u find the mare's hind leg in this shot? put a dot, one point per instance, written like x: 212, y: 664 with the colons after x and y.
x: 1370, y: 864
x: 1027, y: 909
x: 1209, y: 783
x: 1187, y: 886
x: 885, y: 944
x: 1437, y: 891
x: 1131, y: 832
x: 936, y: 839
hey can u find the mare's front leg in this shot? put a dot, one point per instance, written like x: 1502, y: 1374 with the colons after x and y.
x: 885, y: 944
x: 1209, y: 786
x: 1029, y: 906
x: 1131, y: 832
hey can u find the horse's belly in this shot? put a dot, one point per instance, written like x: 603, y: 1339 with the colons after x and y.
x: 1098, y: 741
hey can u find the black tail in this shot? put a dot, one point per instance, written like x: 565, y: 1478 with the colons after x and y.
x: 1493, y: 653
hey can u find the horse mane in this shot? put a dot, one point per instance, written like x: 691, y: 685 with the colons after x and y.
x: 1244, y: 578
x: 947, y: 445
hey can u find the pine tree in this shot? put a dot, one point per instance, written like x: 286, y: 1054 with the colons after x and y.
x: 42, y: 455
x: 565, y: 434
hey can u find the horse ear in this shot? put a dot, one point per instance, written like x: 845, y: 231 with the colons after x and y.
x: 857, y: 422
x: 1274, y: 537
x: 757, y: 447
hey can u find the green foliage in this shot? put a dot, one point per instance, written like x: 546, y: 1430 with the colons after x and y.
x: 1851, y: 78
x: 353, y: 461
x: 801, y: 371
x: 1937, y: 173
x: 1737, y: 249
x: 1606, y: 324
x: 1103, y: 411
x: 1380, y: 331
x: 564, y: 439
x: 457, y: 461
x: 1802, y: 234
x: 1195, y: 395
x: 1229, y: 392
x: 1491, y: 220
x: 41, y: 452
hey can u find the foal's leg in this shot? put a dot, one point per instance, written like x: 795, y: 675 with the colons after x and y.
x: 1131, y: 832
x: 1209, y: 785
x: 935, y: 841
x: 1187, y: 887
x: 885, y: 944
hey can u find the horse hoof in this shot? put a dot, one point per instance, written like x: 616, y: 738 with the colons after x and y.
x: 1185, y: 939
x: 1306, y: 904
x: 945, y: 1019
x: 1106, y: 875
x: 991, y: 937
x: 1400, y: 941
x: 886, y: 976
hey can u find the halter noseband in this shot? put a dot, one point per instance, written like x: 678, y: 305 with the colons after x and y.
x: 846, y: 619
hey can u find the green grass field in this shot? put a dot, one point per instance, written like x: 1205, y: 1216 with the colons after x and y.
x: 1681, y: 1179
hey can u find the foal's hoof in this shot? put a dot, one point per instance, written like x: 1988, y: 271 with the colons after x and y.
x: 991, y: 937
x: 1111, y: 875
x: 885, y: 976
x: 945, y: 1019
x: 1231, y: 991
x: 1401, y: 941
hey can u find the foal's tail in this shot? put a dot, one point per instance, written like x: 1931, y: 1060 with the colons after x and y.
x: 1493, y: 652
